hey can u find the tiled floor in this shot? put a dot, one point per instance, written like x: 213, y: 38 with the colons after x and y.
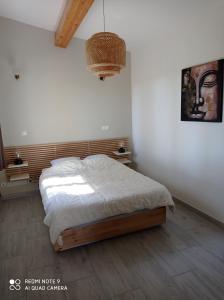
x: 183, y: 259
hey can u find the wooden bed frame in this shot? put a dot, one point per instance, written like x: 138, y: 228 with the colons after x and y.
x: 39, y: 157
x: 111, y: 227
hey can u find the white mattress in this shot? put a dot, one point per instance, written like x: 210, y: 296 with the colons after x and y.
x: 82, y: 192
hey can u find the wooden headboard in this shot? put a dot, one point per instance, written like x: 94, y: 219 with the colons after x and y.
x: 40, y: 155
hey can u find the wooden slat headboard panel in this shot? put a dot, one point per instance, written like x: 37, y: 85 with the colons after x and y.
x: 39, y: 156
x: 105, y: 147
x: 80, y: 149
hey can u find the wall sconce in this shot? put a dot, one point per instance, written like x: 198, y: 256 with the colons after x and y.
x: 16, y: 72
x: 121, y: 148
x: 15, y: 67
x: 16, y: 76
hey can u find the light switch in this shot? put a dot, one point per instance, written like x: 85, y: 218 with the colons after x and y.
x: 105, y: 127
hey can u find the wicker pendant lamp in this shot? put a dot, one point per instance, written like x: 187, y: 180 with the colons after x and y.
x: 106, y: 53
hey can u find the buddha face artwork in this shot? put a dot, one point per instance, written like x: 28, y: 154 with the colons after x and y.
x: 202, y: 92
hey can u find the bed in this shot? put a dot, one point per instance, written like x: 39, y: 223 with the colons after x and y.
x: 97, y: 198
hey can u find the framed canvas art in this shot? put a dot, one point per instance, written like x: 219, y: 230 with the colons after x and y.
x: 202, y: 92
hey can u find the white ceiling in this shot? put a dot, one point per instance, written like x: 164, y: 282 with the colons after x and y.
x: 134, y: 20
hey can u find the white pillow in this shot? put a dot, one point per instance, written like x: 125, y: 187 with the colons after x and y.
x: 96, y: 157
x: 58, y: 161
x: 98, y: 161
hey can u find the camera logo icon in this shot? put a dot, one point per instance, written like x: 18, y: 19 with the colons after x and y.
x: 15, y: 284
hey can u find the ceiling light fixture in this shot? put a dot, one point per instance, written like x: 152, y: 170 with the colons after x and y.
x: 106, y: 53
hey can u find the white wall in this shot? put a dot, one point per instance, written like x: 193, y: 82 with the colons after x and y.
x: 188, y: 157
x: 56, y: 99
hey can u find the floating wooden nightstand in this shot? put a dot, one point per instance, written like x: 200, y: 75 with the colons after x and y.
x: 18, y: 172
x: 12, y: 166
x: 121, y: 153
x: 123, y: 157
x: 23, y: 176
x: 124, y: 161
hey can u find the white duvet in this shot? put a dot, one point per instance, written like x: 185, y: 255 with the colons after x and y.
x: 77, y: 193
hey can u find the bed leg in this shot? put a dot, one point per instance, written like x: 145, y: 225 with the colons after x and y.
x: 57, y: 248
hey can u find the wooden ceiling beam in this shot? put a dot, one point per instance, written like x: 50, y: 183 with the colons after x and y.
x: 74, y: 13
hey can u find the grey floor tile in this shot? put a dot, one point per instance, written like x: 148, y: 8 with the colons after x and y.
x: 74, y: 264
x: 86, y: 289
x: 183, y: 259
x: 132, y: 295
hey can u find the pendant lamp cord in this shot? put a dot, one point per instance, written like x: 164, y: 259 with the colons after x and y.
x: 103, y: 17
